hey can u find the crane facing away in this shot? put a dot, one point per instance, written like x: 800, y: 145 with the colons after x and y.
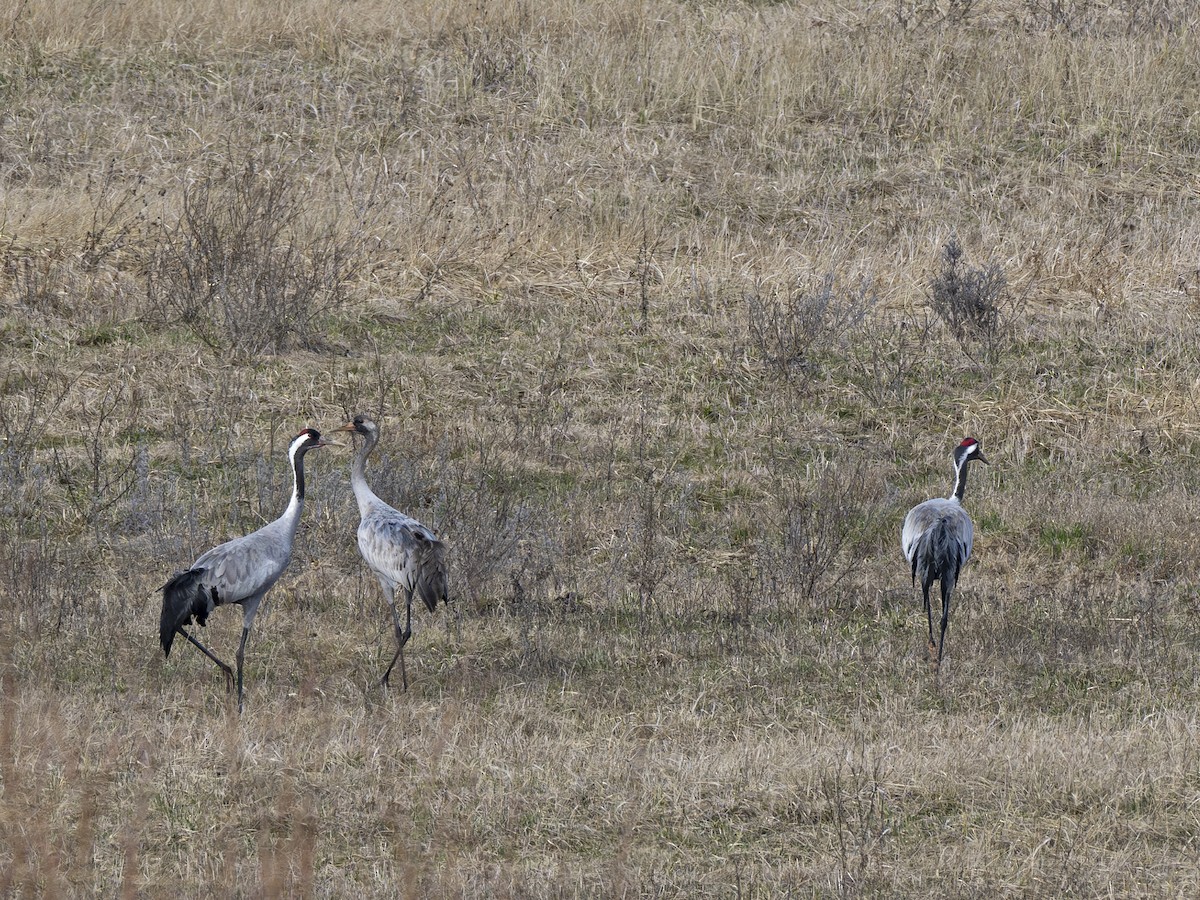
x: 937, y: 539
x: 239, y: 571
x: 401, y: 551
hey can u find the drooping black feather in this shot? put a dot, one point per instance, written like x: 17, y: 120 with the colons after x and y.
x: 432, y: 585
x: 937, y: 555
x: 184, y: 599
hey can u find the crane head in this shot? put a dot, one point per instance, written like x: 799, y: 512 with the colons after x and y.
x: 361, y: 425
x: 307, y: 439
x: 969, y: 449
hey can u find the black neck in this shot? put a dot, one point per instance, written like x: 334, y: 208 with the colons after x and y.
x: 298, y: 471
x: 960, y: 478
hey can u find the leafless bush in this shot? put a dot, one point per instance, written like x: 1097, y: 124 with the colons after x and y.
x: 887, y: 356
x: 646, y: 272
x: 496, y: 63
x: 790, y: 330
x: 974, y: 303
x: 119, y: 210
x: 648, y: 549
x: 1079, y: 17
x: 659, y: 511
x: 28, y: 403
x: 818, y: 537
x: 76, y: 283
x: 541, y: 424
x: 911, y: 14
x: 857, y: 804
x: 244, y: 266
x: 96, y: 483
x: 30, y: 569
x: 487, y: 524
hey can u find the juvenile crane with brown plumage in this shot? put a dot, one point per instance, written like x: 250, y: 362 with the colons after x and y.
x: 402, y: 552
x: 937, y: 538
x: 239, y: 571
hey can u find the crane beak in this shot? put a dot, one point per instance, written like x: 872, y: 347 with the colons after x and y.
x: 349, y: 426
x: 983, y: 459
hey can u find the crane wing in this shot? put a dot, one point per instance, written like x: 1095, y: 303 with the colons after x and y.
x: 245, y: 566
x: 402, y: 550
x: 920, y: 519
x: 937, y: 533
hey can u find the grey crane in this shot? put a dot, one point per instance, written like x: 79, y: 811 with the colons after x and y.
x: 402, y: 552
x: 239, y: 571
x: 937, y: 538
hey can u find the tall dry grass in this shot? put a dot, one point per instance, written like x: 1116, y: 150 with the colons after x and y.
x: 643, y: 297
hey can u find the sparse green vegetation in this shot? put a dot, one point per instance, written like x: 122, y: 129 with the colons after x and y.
x: 657, y: 307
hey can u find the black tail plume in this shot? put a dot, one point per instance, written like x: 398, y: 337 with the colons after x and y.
x: 936, y: 555
x: 184, y: 598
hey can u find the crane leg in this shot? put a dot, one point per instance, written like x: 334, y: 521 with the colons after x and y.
x: 224, y: 668
x: 928, y: 617
x: 241, y: 652
x: 402, y: 636
x: 946, y: 594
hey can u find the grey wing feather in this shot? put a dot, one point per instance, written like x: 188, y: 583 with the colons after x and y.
x: 937, y: 539
x: 405, y: 552
x: 246, y: 566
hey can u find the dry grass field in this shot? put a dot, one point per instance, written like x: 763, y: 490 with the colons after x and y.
x: 668, y: 313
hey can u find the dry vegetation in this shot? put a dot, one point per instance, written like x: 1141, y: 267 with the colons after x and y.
x: 668, y: 311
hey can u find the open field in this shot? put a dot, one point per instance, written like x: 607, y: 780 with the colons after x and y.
x: 649, y: 300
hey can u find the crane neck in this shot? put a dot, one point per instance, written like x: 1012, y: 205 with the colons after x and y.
x: 296, y: 504
x: 358, y: 474
x: 960, y: 479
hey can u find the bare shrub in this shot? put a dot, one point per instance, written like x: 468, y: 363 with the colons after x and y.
x: 29, y: 402
x: 244, y: 266
x: 485, y: 524
x: 790, y: 329
x: 40, y: 282
x: 646, y: 272
x: 857, y: 803
x: 888, y: 356
x: 974, y: 303
x: 649, y: 552
x: 658, y: 514
x: 32, y: 560
x: 1090, y: 17
x: 819, y: 536
x: 911, y: 14
x: 118, y: 212
x: 76, y: 284
x: 101, y: 479
x: 69, y: 291
x: 818, y: 525
x: 496, y: 62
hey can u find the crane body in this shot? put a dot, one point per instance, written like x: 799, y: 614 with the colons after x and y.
x: 403, y: 554
x: 937, y: 538
x: 240, y: 571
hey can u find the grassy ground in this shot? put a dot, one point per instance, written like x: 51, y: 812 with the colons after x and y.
x: 650, y: 302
